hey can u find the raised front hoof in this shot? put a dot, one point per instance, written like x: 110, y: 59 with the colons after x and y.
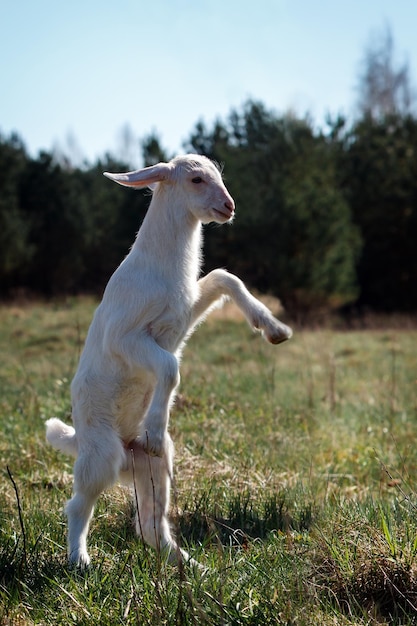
x: 153, y: 446
x: 279, y: 334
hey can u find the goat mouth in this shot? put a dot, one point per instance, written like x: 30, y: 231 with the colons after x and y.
x: 225, y: 215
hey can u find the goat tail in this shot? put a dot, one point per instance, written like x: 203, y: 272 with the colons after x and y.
x: 61, y: 436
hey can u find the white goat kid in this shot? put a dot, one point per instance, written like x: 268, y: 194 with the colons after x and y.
x: 129, y: 368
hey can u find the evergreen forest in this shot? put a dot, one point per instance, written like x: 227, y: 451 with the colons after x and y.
x: 325, y: 217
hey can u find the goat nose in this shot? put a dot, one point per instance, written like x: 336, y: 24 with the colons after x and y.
x: 230, y: 205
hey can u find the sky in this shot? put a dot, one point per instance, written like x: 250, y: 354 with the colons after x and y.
x: 75, y: 75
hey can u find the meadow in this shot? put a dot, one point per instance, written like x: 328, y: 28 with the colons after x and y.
x: 295, y: 481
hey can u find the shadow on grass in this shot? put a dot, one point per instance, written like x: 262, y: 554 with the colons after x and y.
x: 21, y: 570
x: 240, y: 519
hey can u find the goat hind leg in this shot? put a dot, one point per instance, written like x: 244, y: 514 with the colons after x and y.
x: 92, y: 474
x: 79, y: 512
x: 152, y: 489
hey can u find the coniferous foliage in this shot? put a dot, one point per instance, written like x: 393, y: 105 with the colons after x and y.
x: 63, y: 230
x: 324, y: 217
x: 380, y: 181
x: 15, y: 250
x: 294, y: 235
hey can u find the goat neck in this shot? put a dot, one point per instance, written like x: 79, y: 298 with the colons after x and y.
x: 170, y: 232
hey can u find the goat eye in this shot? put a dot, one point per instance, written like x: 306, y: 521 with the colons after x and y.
x: 197, y: 180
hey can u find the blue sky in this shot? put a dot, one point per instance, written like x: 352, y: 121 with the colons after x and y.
x: 76, y: 73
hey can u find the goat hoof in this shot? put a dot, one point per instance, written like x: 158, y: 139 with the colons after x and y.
x: 151, y: 447
x: 79, y: 560
x: 281, y: 334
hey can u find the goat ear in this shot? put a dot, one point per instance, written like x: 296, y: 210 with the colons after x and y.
x: 146, y: 177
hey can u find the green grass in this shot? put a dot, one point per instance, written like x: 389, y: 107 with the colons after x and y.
x: 295, y: 482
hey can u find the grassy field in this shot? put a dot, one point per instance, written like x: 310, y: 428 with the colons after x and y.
x: 295, y: 482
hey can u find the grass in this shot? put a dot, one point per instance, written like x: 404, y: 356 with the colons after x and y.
x: 295, y: 482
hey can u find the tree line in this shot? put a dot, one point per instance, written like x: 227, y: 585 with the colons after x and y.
x: 325, y: 217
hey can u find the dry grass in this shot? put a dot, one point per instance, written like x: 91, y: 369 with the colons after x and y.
x: 295, y: 481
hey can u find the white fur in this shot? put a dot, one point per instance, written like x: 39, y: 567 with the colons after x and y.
x: 129, y: 368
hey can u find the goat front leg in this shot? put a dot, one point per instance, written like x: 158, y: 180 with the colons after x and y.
x: 142, y: 352
x: 220, y: 283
